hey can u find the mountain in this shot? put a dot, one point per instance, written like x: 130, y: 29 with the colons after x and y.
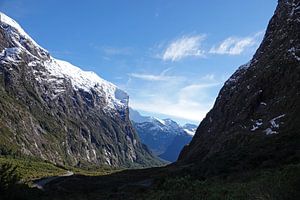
x: 164, y: 137
x: 255, y: 121
x: 190, y: 129
x: 55, y: 111
x: 173, y: 149
x: 137, y: 117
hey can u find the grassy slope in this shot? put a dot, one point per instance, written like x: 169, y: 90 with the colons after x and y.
x: 275, y: 184
x: 30, y: 170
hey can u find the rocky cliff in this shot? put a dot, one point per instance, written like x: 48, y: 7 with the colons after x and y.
x: 53, y: 110
x: 255, y: 121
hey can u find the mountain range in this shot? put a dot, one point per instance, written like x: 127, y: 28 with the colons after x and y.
x: 247, y: 146
x: 164, y: 137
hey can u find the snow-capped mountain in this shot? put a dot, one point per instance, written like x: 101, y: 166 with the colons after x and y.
x: 190, y: 129
x: 57, y: 70
x: 164, y: 137
x: 54, y: 110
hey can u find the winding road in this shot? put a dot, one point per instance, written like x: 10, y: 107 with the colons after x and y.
x: 42, y: 182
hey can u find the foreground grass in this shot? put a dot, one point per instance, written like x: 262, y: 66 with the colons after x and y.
x: 265, y: 184
x: 279, y: 184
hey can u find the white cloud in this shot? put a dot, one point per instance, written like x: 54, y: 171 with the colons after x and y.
x: 189, y: 101
x: 151, y: 77
x: 184, y: 47
x: 195, y: 87
x: 233, y: 46
x: 236, y: 45
x: 208, y: 77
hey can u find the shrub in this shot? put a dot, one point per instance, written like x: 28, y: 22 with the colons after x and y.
x: 8, y: 177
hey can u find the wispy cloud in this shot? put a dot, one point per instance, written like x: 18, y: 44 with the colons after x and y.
x: 183, y: 47
x: 236, y: 45
x: 208, y: 77
x: 192, y: 103
x: 179, y: 98
x: 152, y: 77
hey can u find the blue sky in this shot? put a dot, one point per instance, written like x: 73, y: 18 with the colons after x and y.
x: 172, y: 57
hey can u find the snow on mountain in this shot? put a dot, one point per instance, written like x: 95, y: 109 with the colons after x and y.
x: 190, y: 129
x: 164, y: 137
x: 162, y: 122
x: 190, y: 132
x: 13, y: 24
x: 87, y: 81
x: 61, y: 113
x: 59, y: 69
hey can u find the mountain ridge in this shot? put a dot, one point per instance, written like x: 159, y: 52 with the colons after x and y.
x: 164, y: 137
x: 255, y: 121
x: 53, y: 110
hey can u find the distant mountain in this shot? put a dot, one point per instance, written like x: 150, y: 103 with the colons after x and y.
x: 255, y: 122
x: 172, y: 152
x: 53, y: 110
x: 137, y: 117
x: 164, y: 137
x: 190, y: 129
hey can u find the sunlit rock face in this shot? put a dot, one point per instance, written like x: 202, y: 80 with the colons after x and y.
x: 53, y: 110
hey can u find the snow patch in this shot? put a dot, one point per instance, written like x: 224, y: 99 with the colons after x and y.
x: 269, y: 131
x: 87, y: 81
x: 160, y: 120
x: 263, y: 103
x: 10, y: 54
x: 189, y: 132
x: 293, y: 52
x: 257, y: 124
x: 273, y: 121
x: 274, y: 125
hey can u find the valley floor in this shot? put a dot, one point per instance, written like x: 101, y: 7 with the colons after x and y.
x: 171, y: 182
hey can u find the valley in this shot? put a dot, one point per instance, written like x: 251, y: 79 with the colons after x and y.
x: 66, y: 133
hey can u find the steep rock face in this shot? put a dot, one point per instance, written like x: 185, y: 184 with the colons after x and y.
x: 255, y: 121
x: 55, y: 111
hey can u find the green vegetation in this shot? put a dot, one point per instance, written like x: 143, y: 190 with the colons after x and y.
x: 18, y: 173
x: 278, y: 184
x: 267, y: 184
x: 8, y: 177
x: 93, y: 170
x: 28, y: 169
